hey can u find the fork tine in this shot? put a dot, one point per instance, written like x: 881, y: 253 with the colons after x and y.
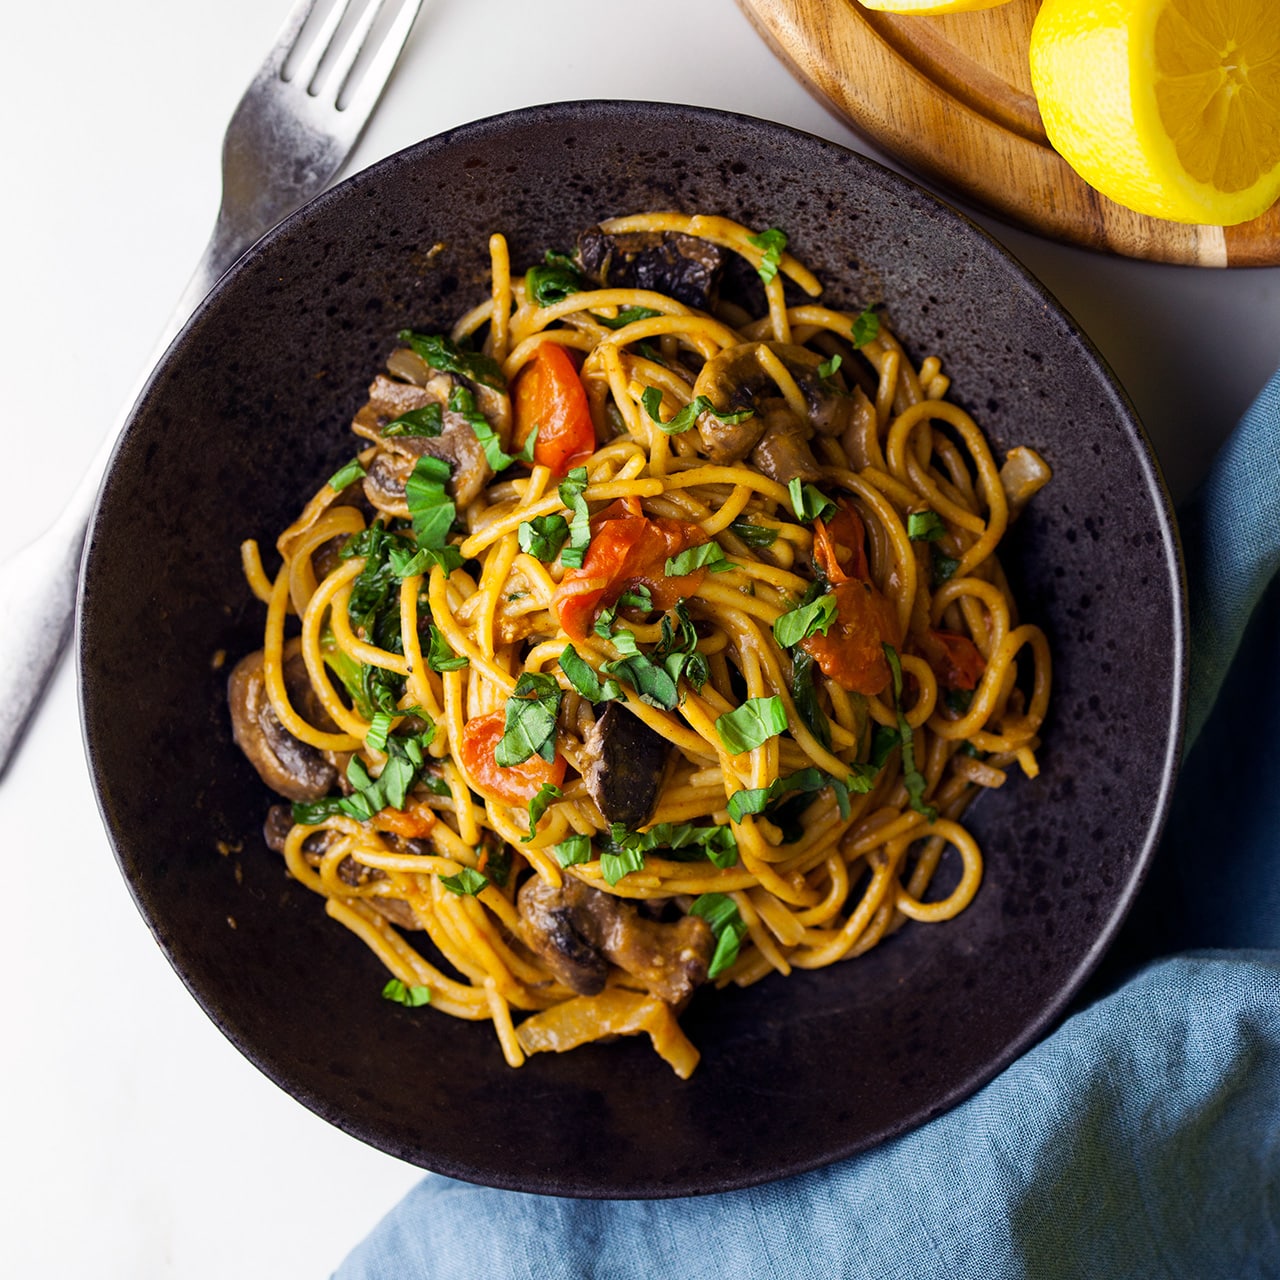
x: 378, y: 71
x: 346, y: 60
x: 304, y: 71
x: 287, y: 38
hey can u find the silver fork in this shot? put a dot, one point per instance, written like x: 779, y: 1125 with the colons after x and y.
x: 286, y: 142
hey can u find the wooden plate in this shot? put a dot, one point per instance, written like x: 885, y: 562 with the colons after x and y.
x: 951, y: 97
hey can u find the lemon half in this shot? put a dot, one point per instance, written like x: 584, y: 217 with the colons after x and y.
x: 1169, y: 107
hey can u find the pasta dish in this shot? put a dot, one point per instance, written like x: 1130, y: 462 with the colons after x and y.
x: 654, y: 637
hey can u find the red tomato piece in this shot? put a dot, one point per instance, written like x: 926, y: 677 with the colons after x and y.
x: 625, y: 553
x: 956, y: 660
x: 843, y: 533
x: 413, y: 823
x: 852, y: 651
x: 549, y: 394
x: 510, y: 784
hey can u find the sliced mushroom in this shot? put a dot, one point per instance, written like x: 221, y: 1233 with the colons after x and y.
x: 551, y: 928
x: 576, y: 929
x: 627, y: 763
x: 776, y: 437
x: 456, y: 444
x: 681, y: 266
x: 294, y: 769
x: 495, y: 406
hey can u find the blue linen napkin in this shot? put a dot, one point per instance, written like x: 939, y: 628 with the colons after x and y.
x: 1142, y: 1138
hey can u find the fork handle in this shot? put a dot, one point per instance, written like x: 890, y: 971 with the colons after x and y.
x: 38, y: 584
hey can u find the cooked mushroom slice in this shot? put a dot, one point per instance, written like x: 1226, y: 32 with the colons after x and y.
x: 576, y: 928
x: 783, y: 453
x: 384, y: 483
x: 627, y: 763
x: 495, y: 406
x: 294, y: 769
x: 456, y: 444
x: 683, y: 267
x: 551, y: 929
x: 775, y: 436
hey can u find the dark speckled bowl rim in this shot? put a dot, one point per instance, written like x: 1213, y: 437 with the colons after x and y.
x: 914, y: 197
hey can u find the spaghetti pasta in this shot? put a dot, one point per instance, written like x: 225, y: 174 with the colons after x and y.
x: 656, y: 637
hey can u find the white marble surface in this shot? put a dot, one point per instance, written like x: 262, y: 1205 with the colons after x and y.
x: 136, y: 1141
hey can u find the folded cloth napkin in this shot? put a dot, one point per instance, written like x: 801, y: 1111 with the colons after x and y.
x: 1140, y: 1139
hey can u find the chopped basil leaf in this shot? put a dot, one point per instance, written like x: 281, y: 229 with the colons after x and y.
x: 379, y: 727
x: 686, y: 417
x: 883, y: 741
x: 411, y: 997
x: 958, y: 701
x: 805, y: 695
x: 443, y: 354
x: 530, y: 726
x: 496, y: 863
x: 772, y: 242
x: 944, y: 567
x: 427, y: 421
x: 752, y: 724
x: 721, y: 913
x: 571, y: 852
x: 613, y: 866
x: 912, y: 778
x: 758, y: 799
x: 553, y: 281
x: 706, y: 555
x: 440, y: 655
x: 467, y: 883
x: 543, y: 536
x: 347, y: 475
x: 582, y: 675
x: 628, y: 315
x: 430, y: 507
x: 925, y: 526
x: 571, y: 491
x: 754, y: 535
x: 653, y: 683
x: 434, y: 783
x: 678, y: 648
x: 716, y: 843
x: 827, y: 368
x: 866, y: 327
x: 808, y: 501
x: 405, y: 759
x: 638, y: 597
x: 805, y: 620
x: 968, y: 749
x: 538, y: 806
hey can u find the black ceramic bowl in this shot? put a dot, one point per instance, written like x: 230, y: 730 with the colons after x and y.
x: 249, y: 411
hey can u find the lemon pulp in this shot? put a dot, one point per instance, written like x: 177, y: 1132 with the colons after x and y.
x: 1218, y: 89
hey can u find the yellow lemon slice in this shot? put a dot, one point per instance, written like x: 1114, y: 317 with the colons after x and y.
x: 927, y: 7
x: 1170, y: 107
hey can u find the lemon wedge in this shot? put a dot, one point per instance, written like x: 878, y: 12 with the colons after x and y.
x: 926, y: 8
x: 1169, y: 107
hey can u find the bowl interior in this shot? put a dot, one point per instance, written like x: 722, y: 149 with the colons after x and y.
x: 250, y: 410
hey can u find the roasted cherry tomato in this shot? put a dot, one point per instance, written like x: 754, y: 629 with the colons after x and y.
x: 625, y: 553
x: 839, y: 547
x: 413, y: 823
x: 511, y: 784
x: 549, y: 394
x: 852, y: 651
x: 955, y: 659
